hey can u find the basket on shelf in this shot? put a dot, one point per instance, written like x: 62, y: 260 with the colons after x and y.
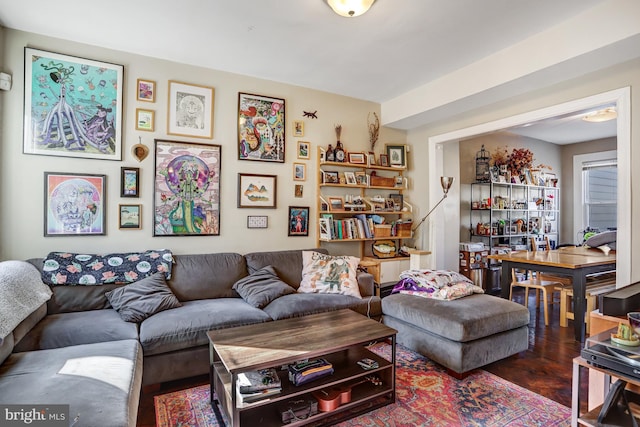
x: 403, y: 229
x: 381, y: 181
x: 384, y: 248
x: 382, y: 230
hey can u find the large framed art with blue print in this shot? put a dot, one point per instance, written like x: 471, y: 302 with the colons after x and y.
x: 72, y: 106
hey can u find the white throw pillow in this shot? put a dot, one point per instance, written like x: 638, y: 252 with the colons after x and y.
x: 326, y: 274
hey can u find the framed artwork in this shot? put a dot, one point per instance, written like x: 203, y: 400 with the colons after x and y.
x: 257, y: 191
x: 397, y: 155
x: 190, y: 111
x: 129, y: 182
x: 299, y: 172
x: 336, y: 203
x: 371, y: 158
x: 130, y: 216
x: 350, y: 178
x: 74, y: 204
x: 146, y: 90
x: 298, y: 221
x: 331, y: 177
x: 303, y: 149
x: 357, y: 158
x: 398, y: 201
x: 145, y: 119
x: 261, y: 128
x: 298, y: 128
x: 186, y: 189
x: 72, y: 106
x: 361, y: 178
x: 257, y: 221
x: 384, y: 160
x: 325, y: 228
x: 297, y: 192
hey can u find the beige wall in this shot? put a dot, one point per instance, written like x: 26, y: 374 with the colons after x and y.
x: 21, y: 193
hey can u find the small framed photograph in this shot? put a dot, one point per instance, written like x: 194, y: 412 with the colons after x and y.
x: 303, y: 149
x: 371, y: 158
x: 298, y: 128
x: 336, y: 204
x: 298, y: 220
x: 398, y: 201
x: 130, y: 216
x: 257, y: 221
x: 129, y: 182
x: 257, y: 191
x: 299, y: 172
x: 190, y: 110
x: 528, y: 178
x: 397, y: 155
x: 384, y: 160
x: 146, y: 90
x: 331, y: 177
x: 361, y: 178
x: 357, y: 158
x: 297, y: 192
x: 145, y: 120
x: 350, y: 177
x: 325, y: 228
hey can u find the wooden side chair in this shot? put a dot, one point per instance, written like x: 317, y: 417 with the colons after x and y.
x: 533, y: 281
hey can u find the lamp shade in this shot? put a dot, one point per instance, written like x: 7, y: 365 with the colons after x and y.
x: 350, y: 8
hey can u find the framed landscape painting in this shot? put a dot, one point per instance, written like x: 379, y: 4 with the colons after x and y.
x: 261, y: 128
x: 72, y: 106
x: 257, y: 191
x: 187, y: 189
x: 74, y: 204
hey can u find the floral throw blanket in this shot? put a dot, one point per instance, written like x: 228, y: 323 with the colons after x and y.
x: 436, y: 284
x: 64, y: 268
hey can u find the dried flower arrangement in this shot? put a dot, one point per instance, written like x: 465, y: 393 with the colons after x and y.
x: 500, y: 157
x: 520, y: 158
x: 338, y: 129
x: 374, y: 129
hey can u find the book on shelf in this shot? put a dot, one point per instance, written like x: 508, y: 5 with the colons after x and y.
x: 255, y: 381
x: 258, y: 395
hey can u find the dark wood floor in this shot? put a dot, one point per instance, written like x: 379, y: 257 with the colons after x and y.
x: 544, y: 368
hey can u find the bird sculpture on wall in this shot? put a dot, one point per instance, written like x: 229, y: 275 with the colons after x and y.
x: 312, y: 115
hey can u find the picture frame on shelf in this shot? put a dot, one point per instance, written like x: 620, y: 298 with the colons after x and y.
x: 325, y: 228
x: 299, y: 171
x: 190, y: 111
x: 257, y: 191
x: 298, y: 128
x: 74, y: 204
x: 145, y: 119
x: 257, y: 221
x: 331, y: 177
x: 298, y: 221
x: 357, y: 158
x: 398, y: 201
x: 261, y: 130
x: 129, y: 182
x: 146, y: 90
x: 304, y: 150
x: 371, y: 158
x: 383, y: 160
x: 361, y: 178
x: 397, y: 155
x: 94, y: 134
x: 336, y: 204
x: 129, y: 217
x: 528, y: 177
x: 350, y: 178
x: 186, y: 198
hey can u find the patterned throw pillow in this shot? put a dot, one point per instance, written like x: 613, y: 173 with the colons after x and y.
x: 437, y: 284
x: 64, y: 268
x: 326, y: 274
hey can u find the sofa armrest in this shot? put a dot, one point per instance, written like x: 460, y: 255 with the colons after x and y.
x: 365, y: 284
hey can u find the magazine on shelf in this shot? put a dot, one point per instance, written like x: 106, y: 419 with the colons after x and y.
x: 255, y: 381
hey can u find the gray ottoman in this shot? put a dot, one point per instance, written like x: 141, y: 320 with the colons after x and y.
x: 462, y: 334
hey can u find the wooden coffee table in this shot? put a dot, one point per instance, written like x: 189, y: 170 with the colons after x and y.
x: 340, y: 337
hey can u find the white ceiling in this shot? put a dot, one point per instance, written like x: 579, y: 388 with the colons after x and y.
x: 395, y: 47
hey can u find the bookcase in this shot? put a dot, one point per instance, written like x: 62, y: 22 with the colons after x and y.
x: 361, y: 203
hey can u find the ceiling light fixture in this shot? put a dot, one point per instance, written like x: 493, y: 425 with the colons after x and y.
x: 603, y: 115
x: 350, y: 8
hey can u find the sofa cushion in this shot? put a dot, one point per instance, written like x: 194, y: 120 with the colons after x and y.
x: 144, y: 298
x: 262, y: 287
x: 101, y: 382
x: 287, y: 264
x: 301, y: 304
x: 83, y: 327
x: 196, y: 277
x: 187, y: 326
x: 326, y: 274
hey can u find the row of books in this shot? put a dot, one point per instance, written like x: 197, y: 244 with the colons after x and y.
x: 359, y: 226
x: 254, y: 386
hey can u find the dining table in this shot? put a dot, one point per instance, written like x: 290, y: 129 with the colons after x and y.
x: 575, y: 262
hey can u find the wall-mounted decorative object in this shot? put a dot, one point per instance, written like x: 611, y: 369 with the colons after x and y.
x: 299, y: 172
x: 373, y: 126
x: 383, y: 159
x: 190, y: 110
x: 298, y: 128
x: 146, y: 90
x: 257, y: 191
x: 129, y: 182
x: 140, y: 151
x: 298, y: 221
x: 397, y: 155
x: 72, y: 106
x: 145, y: 119
x: 310, y: 114
x: 257, y: 221
x: 304, y: 148
x: 261, y: 128
x: 130, y: 216
x: 74, y: 204
x: 298, y: 190
x: 357, y: 158
x: 187, y: 189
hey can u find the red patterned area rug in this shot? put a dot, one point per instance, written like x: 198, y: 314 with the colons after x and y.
x: 425, y: 396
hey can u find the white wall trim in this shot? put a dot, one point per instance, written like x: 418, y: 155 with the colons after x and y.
x: 440, y: 247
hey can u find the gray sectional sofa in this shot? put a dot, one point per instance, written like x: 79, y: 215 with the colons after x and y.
x: 76, y: 349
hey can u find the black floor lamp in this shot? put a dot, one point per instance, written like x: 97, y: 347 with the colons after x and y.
x: 445, y: 182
